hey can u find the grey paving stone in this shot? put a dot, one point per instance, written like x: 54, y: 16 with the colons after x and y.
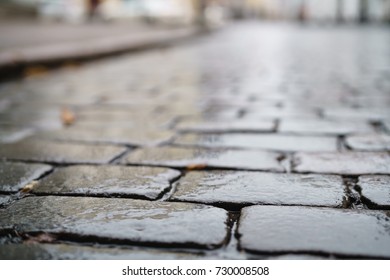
x: 14, y: 175
x: 326, y: 127
x: 348, y: 163
x: 276, y: 142
x: 125, y: 220
x: 358, y: 113
x: 369, y: 142
x: 226, y: 126
x: 10, y: 133
x: 112, y: 134
x: 197, y: 158
x: 387, y: 125
x: 376, y: 189
x: 4, y: 199
x: 290, y: 112
x: 59, y: 152
x: 145, y: 182
x: 74, y: 252
x: 302, y: 229
x: 245, y: 188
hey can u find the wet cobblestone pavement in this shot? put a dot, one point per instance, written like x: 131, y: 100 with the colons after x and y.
x: 254, y: 142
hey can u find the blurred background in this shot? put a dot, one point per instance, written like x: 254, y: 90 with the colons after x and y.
x: 195, y: 11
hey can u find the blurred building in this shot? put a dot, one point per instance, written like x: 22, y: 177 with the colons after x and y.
x: 317, y: 10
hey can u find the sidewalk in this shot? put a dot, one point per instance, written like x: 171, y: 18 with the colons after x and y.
x: 36, y: 43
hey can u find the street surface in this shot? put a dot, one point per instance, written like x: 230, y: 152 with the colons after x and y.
x: 257, y: 141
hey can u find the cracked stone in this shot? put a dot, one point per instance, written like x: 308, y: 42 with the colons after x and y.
x: 277, y: 229
x: 145, y: 182
x: 246, y: 188
x: 348, y: 163
x: 185, y: 158
x: 59, y: 152
x: 369, y: 142
x: 14, y: 175
x: 275, y: 142
x: 112, y: 134
x: 74, y: 252
x: 226, y: 126
x: 125, y: 220
x: 376, y: 189
x: 323, y: 127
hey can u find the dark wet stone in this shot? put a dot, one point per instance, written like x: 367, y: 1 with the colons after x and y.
x: 59, y: 152
x: 74, y: 252
x: 193, y: 158
x: 376, y: 189
x: 348, y: 163
x: 124, y: 220
x: 9, y: 133
x: 111, y: 134
x: 14, y: 175
x: 276, y: 229
x: 323, y: 127
x: 260, y: 188
x: 146, y: 182
x: 226, y: 126
x: 276, y: 142
x: 369, y: 142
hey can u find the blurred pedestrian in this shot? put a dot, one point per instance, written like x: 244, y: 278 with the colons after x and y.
x: 93, y: 8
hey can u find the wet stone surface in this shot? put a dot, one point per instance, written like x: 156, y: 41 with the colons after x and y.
x: 244, y: 188
x: 375, y: 189
x: 145, y: 182
x: 73, y: 252
x: 369, y: 142
x: 197, y: 158
x: 119, y: 220
x: 325, y: 127
x: 225, y: 126
x: 59, y: 152
x: 348, y: 163
x: 14, y: 175
x: 277, y: 229
x: 275, y: 142
x: 113, y: 135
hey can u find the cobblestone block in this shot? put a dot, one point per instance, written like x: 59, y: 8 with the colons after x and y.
x: 145, y: 182
x: 245, y: 188
x: 111, y: 135
x: 347, y: 163
x: 58, y: 152
x: 74, y: 252
x: 369, y: 142
x: 277, y: 142
x: 198, y: 158
x: 323, y: 127
x: 14, y: 176
x: 375, y: 189
x: 124, y: 220
x: 227, y: 126
x: 277, y: 229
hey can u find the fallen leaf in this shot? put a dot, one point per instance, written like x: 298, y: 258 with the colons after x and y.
x: 27, y: 188
x: 67, y: 117
x: 35, y: 71
x: 196, y: 166
x: 40, y: 238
